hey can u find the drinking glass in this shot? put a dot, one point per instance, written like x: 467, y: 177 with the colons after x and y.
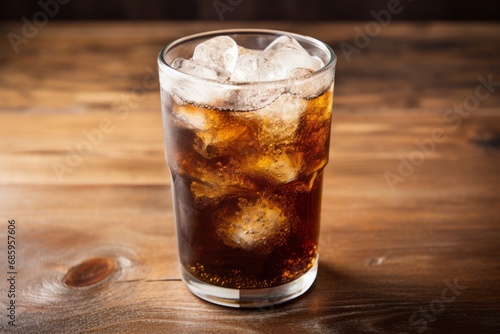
x: 246, y: 161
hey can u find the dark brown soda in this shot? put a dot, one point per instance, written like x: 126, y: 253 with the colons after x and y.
x: 215, y: 187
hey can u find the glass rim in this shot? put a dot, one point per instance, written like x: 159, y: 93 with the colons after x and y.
x: 164, y: 66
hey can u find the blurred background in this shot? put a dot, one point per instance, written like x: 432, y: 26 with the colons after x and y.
x: 421, y: 10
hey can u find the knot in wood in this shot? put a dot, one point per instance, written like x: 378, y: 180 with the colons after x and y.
x: 89, y: 272
x: 488, y: 140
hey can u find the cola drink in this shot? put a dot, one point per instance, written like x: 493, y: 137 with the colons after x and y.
x: 247, y: 133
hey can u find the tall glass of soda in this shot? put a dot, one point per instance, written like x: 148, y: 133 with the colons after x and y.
x: 246, y: 118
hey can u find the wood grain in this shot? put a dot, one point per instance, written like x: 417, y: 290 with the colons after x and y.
x: 97, y: 253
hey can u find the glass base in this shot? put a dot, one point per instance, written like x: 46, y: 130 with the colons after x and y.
x: 246, y: 298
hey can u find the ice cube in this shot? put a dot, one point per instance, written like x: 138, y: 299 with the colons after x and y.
x: 284, y: 55
x: 251, y: 98
x: 216, y: 142
x: 276, y: 166
x: 271, y: 69
x: 246, y: 68
x: 191, y: 67
x: 219, y: 53
x: 214, y: 181
x: 279, y: 121
x: 209, y: 194
x: 216, y: 132
x: 258, y: 225
x: 195, y: 118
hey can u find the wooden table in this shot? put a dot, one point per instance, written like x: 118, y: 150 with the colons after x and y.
x: 410, y: 231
